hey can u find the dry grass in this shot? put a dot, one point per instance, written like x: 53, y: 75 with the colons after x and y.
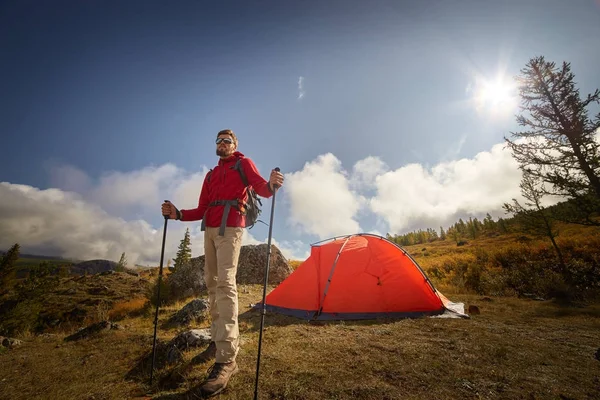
x: 514, y: 349
x: 295, y: 263
x: 129, y: 307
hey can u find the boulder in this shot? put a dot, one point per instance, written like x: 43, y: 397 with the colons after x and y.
x: 92, y: 330
x: 473, y: 309
x: 251, y: 266
x: 194, y: 311
x: 253, y: 261
x: 184, y: 341
x: 10, y: 342
x: 188, y: 280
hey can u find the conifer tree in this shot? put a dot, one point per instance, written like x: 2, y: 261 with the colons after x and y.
x: 558, y: 146
x: 122, y: 264
x: 8, y: 267
x: 184, y: 254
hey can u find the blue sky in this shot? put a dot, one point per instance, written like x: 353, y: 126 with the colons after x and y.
x: 377, y: 112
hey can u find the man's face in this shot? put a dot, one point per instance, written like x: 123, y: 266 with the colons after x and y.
x: 225, y: 146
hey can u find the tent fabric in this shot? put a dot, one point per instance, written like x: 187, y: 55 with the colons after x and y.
x: 361, y: 276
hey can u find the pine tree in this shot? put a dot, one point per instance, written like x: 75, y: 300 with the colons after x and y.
x: 488, y: 223
x: 8, y: 267
x: 558, y: 146
x: 184, y: 254
x: 122, y: 264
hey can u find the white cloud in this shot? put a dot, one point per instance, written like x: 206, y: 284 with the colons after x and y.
x: 69, y: 178
x: 412, y: 196
x: 106, y: 217
x: 135, y: 193
x: 321, y: 201
x: 301, y: 91
x: 291, y: 250
x: 85, y: 218
x: 54, y: 222
x: 365, y: 171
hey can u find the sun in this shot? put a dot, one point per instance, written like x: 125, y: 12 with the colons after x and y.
x: 496, y: 93
x: 495, y: 96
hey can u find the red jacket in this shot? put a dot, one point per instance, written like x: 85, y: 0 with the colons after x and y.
x: 226, y: 184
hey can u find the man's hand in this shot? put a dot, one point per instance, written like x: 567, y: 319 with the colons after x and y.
x: 276, y: 180
x: 169, y: 210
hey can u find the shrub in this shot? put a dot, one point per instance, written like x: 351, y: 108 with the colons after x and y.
x: 21, y: 318
x: 165, y: 293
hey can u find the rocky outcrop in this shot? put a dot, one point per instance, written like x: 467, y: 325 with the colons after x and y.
x: 194, y: 311
x: 253, y: 261
x: 188, y: 280
x: 251, y: 267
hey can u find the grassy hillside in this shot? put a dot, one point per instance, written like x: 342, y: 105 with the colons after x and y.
x: 516, y: 264
x: 516, y: 347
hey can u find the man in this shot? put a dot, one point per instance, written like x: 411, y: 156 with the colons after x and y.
x: 220, y: 207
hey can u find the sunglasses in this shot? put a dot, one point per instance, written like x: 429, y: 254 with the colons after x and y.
x: 226, y: 140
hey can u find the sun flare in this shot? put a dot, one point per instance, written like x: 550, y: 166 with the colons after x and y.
x: 495, y: 93
x: 495, y: 96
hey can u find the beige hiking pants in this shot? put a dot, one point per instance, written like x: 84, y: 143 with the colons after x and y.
x: 221, y: 254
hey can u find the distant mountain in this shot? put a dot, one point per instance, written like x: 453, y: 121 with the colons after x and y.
x: 93, y: 267
x: 39, y: 257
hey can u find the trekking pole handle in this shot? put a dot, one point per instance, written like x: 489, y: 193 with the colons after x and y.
x: 167, y: 216
x: 278, y: 170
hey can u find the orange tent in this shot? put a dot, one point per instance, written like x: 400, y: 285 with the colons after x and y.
x: 359, y: 276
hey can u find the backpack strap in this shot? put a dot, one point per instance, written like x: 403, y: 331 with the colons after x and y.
x: 238, y: 166
x: 252, y: 196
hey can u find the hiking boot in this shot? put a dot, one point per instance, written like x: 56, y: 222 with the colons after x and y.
x: 218, y: 377
x: 208, y: 354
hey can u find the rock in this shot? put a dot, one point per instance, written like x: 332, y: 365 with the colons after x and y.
x: 194, y: 311
x: 97, y: 290
x: 92, y: 330
x: 474, y: 310
x: 131, y: 272
x: 598, y: 354
x: 10, y: 342
x: 188, y: 280
x: 186, y: 340
x: 253, y: 261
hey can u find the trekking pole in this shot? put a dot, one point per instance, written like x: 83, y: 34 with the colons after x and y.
x: 264, y: 306
x: 162, y: 254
